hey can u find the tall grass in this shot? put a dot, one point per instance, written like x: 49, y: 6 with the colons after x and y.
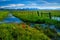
x: 36, y: 16
x: 17, y: 32
x: 3, y: 14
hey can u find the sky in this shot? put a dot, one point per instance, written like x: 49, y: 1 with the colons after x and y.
x: 40, y: 4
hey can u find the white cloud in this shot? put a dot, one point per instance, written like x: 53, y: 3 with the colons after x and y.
x: 43, y: 3
x: 13, y: 5
x: 43, y: 7
x: 4, y: 0
x: 33, y: 4
x: 47, y: 5
x: 21, y: 7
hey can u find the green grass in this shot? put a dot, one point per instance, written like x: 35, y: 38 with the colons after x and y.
x: 3, y: 15
x: 39, y: 16
x: 17, y: 32
x: 13, y: 31
x: 53, y: 12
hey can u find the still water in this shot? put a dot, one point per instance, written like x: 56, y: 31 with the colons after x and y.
x: 12, y: 19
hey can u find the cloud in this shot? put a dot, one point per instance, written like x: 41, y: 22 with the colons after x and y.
x: 49, y: 7
x: 50, y: 2
x: 43, y: 7
x: 40, y: 4
x: 21, y: 6
x: 4, y: 0
x: 13, y: 5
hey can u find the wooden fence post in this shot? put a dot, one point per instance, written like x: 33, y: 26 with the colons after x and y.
x: 49, y: 15
x: 41, y: 14
x: 38, y: 13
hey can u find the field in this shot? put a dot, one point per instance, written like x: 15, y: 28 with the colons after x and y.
x: 3, y: 14
x: 37, y: 16
x: 24, y: 31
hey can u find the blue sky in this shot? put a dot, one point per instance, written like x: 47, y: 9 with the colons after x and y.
x: 41, y: 4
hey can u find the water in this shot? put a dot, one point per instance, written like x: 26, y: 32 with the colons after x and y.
x: 51, y: 26
x: 58, y: 30
x: 56, y: 18
x: 12, y: 19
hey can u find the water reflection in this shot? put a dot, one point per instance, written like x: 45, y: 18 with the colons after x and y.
x: 56, y: 18
x: 11, y: 19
